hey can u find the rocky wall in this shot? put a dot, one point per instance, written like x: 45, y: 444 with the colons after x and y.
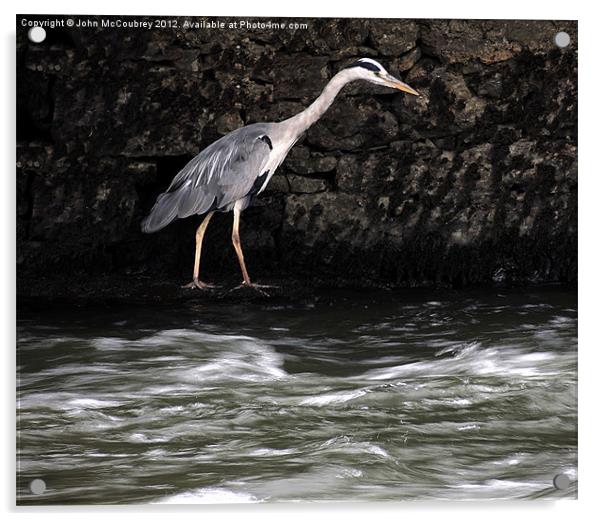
x: 474, y: 182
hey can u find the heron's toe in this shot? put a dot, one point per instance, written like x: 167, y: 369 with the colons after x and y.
x: 199, y: 284
x: 255, y: 287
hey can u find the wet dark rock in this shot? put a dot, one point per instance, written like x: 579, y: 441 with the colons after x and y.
x: 306, y: 185
x: 474, y: 182
x: 354, y: 123
x: 228, y: 122
x: 393, y: 37
x: 300, y: 76
x: 301, y: 161
x: 278, y: 184
x: 407, y: 61
x: 488, y: 41
x: 276, y: 111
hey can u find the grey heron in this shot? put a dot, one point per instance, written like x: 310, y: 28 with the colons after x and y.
x: 230, y: 172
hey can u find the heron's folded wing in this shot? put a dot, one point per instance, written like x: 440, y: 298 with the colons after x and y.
x: 220, y: 175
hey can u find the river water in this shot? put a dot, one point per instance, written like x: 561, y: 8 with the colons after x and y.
x: 351, y: 396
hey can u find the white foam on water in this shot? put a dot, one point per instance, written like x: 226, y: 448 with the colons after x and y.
x: 174, y: 409
x: 333, y: 398
x: 198, y: 357
x: 210, y: 495
x: 497, y: 484
x: 473, y: 359
x: 511, y: 460
x: 470, y: 427
x: 346, y: 445
x: 157, y: 390
x: 378, y: 451
x: 91, y: 403
x: 108, y: 343
x: 337, y: 440
x: 271, y: 452
x: 460, y: 401
x: 252, y: 363
x: 216, y: 358
x: 166, y: 359
x: 349, y: 473
x: 140, y: 437
x: 156, y: 453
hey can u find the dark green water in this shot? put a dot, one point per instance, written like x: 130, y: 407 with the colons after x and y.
x: 360, y: 396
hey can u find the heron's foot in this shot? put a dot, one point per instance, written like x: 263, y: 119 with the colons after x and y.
x: 199, y: 284
x: 259, y: 288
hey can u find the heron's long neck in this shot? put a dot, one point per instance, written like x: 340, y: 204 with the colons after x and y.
x: 302, y: 121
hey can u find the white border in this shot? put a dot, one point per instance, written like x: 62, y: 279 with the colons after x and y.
x: 589, y: 259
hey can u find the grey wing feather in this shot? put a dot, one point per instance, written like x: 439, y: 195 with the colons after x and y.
x: 215, y: 179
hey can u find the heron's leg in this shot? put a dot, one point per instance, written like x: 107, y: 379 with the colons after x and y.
x: 238, y: 247
x: 241, y: 258
x: 200, y: 233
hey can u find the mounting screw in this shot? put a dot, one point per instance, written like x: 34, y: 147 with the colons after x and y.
x: 37, y: 34
x: 37, y: 486
x: 561, y: 481
x: 562, y: 39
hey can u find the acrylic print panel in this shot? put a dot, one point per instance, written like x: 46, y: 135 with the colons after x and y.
x: 400, y: 207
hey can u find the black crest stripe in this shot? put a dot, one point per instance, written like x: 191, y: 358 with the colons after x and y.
x: 365, y: 65
x: 266, y: 139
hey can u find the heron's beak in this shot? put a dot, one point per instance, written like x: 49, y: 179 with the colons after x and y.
x: 393, y: 82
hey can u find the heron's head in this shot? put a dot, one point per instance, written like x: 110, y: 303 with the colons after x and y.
x: 372, y: 71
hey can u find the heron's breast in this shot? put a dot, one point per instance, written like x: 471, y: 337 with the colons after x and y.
x: 277, y: 155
